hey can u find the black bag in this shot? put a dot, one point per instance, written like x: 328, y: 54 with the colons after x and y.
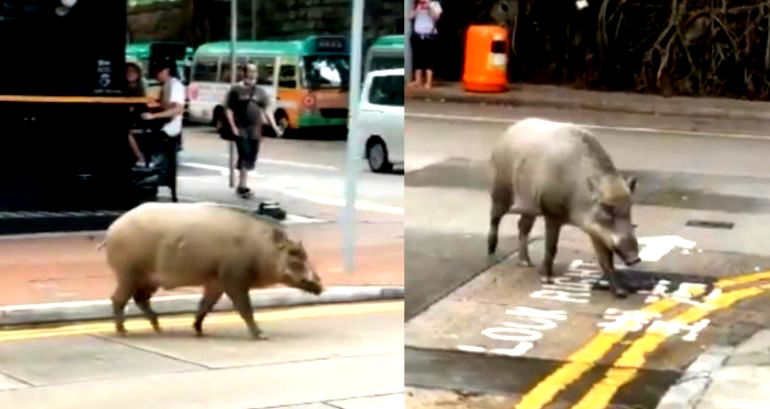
x: 225, y: 130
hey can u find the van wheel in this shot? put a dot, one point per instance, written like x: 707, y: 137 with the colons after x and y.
x: 377, y: 156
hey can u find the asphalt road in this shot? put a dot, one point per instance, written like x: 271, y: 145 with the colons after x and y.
x: 301, y: 169
x: 335, y: 356
x: 486, y: 333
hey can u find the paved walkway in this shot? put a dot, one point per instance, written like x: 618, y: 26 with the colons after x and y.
x: 69, y: 268
x: 725, y: 377
x: 62, y: 268
x: 569, y: 98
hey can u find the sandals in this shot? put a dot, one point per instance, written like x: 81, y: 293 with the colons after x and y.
x: 244, y: 192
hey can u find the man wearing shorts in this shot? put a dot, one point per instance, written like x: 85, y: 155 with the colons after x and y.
x: 247, y: 104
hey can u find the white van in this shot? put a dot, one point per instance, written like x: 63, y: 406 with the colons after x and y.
x: 380, y: 119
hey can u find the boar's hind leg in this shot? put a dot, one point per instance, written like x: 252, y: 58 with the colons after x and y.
x: 239, y: 294
x: 525, y: 227
x: 212, y: 292
x: 552, y: 230
x: 142, y: 299
x: 502, y: 198
x: 604, y: 256
x: 119, y: 299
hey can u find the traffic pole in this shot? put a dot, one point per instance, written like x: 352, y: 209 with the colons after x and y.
x: 233, y: 39
x: 351, y: 168
x: 408, y: 6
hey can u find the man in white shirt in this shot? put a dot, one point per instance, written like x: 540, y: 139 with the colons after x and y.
x: 172, y: 104
x: 172, y: 101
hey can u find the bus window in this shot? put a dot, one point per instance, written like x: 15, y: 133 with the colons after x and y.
x: 205, y: 70
x: 288, y: 76
x: 224, y: 74
x: 327, y: 71
x: 265, y: 71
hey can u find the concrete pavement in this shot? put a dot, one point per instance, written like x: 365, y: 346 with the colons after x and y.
x: 488, y: 333
x: 341, y: 356
x: 725, y: 376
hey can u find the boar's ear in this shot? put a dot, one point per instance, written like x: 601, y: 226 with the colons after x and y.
x: 591, y: 185
x: 279, y: 237
x: 295, y: 247
x: 593, y: 190
x: 631, y: 181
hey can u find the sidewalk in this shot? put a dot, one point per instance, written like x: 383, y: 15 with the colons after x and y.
x: 725, y: 377
x: 69, y: 268
x: 64, y: 278
x: 568, y: 98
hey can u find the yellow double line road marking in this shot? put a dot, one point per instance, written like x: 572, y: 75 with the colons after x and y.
x: 744, y: 279
x: 581, y: 361
x: 625, y: 368
x: 141, y: 324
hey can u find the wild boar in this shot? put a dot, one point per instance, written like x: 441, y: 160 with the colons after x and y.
x: 224, y: 249
x: 561, y: 172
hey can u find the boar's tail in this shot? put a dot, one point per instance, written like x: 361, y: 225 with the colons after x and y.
x: 101, y: 245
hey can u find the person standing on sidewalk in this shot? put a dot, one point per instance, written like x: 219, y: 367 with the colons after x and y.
x: 247, y: 105
x: 424, y: 16
x: 172, y: 109
x: 135, y: 87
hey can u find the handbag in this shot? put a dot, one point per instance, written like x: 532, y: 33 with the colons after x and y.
x: 225, y: 130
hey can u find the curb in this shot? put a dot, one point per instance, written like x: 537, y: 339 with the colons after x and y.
x: 688, y: 390
x: 180, y: 304
x: 603, y: 105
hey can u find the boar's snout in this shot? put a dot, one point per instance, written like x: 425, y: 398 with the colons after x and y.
x: 313, y: 287
x: 628, y: 250
x: 312, y: 284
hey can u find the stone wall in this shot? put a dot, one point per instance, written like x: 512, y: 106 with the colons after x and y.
x: 209, y: 20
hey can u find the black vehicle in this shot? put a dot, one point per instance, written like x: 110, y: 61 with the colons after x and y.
x: 64, y: 109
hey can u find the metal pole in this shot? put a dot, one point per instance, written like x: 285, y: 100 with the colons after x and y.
x: 351, y: 168
x: 408, y: 6
x: 233, y: 39
x: 254, y: 14
x: 276, y: 79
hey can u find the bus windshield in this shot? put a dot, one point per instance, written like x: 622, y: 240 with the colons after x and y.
x: 327, y: 71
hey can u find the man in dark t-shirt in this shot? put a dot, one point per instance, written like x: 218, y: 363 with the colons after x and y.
x: 247, y: 105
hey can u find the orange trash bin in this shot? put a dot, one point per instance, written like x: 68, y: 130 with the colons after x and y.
x: 486, y: 59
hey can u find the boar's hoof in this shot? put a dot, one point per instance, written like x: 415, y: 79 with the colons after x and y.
x: 259, y: 336
x: 621, y: 293
x: 524, y: 263
x: 156, y: 327
x: 546, y: 280
x: 121, y: 331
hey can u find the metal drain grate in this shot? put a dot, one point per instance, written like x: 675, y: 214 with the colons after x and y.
x: 710, y: 224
